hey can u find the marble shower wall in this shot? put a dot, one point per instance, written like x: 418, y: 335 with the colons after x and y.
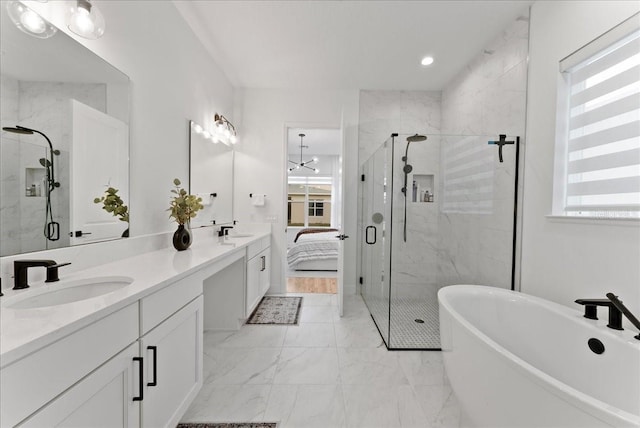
x: 487, y: 98
x: 44, y: 106
x: 406, y: 113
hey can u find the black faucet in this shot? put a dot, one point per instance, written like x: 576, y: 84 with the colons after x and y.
x: 224, y: 230
x: 623, y: 309
x: 20, y: 268
x: 591, y: 311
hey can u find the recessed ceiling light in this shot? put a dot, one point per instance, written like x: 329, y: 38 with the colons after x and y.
x: 427, y: 60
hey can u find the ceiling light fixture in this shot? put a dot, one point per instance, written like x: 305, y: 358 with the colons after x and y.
x: 303, y: 164
x: 225, y: 131
x: 427, y: 60
x: 30, y: 22
x: 86, y: 20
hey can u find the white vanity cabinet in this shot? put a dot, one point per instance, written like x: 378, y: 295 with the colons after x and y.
x: 258, y: 272
x: 139, y: 366
x: 104, y: 398
x: 32, y: 382
x: 172, y: 354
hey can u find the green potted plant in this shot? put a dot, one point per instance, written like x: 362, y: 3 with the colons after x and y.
x: 182, y: 208
x: 113, y: 203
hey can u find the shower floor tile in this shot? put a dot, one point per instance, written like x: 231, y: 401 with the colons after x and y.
x: 405, y: 331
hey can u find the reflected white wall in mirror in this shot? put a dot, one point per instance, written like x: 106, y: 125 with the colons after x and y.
x: 39, y: 80
x: 210, y: 177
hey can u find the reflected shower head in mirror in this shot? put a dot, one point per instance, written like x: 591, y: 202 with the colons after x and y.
x: 415, y: 138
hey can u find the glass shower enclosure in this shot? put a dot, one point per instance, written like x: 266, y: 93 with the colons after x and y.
x: 434, y: 212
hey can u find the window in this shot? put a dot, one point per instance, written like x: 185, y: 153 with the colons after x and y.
x: 598, y: 139
x: 316, y: 208
x: 309, y: 201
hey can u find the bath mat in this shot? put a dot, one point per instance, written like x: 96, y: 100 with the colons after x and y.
x: 277, y: 310
x: 228, y: 425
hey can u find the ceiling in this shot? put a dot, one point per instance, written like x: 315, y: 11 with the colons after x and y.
x: 319, y: 141
x: 346, y: 44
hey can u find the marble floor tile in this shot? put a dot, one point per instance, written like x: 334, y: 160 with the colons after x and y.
x: 306, y: 406
x: 258, y: 336
x: 325, y: 372
x: 357, y: 333
x: 238, y: 366
x: 310, y: 335
x: 229, y: 403
x: 318, y: 314
x: 423, y: 367
x: 319, y: 300
x: 317, y: 366
x: 382, y: 407
x: 370, y: 366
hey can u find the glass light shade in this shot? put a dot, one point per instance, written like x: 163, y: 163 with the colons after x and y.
x: 427, y: 60
x: 197, y: 128
x: 29, y: 22
x: 233, y: 139
x: 315, y: 159
x: 86, y: 20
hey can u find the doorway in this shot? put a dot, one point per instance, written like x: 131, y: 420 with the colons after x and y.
x: 314, y: 200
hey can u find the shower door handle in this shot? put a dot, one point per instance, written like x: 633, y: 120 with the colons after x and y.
x: 375, y: 234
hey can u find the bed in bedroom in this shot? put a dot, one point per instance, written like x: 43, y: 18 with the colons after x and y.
x: 314, y: 249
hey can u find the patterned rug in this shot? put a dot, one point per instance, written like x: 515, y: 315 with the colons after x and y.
x: 277, y: 310
x: 228, y: 425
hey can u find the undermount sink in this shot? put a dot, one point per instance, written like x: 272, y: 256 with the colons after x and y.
x: 73, y: 291
x: 240, y: 235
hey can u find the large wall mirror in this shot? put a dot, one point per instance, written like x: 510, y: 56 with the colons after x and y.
x: 75, y: 108
x: 210, y: 177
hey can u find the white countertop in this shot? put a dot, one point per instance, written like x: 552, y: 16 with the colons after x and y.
x: 23, y: 331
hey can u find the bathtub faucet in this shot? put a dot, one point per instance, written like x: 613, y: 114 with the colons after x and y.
x: 591, y: 311
x: 625, y: 311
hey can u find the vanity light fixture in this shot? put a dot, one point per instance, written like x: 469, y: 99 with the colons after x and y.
x: 29, y: 21
x: 225, y: 131
x: 302, y: 163
x: 207, y: 135
x: 86, y: 20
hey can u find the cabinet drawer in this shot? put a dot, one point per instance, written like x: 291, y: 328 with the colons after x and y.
x: 256, y: 247
x: 162, y: 304
x: 31, y: 382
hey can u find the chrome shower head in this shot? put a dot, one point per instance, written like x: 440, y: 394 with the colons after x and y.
x: 415, y: 138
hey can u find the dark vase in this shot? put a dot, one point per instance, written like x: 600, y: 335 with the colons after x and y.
x: 182, y: 238
x: 125, y: 234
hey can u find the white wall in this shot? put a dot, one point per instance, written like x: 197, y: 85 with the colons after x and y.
x: 173, y: 79
x: 264, y: 116
x: 563, y: 260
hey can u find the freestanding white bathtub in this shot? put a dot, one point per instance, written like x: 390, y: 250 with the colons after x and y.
x: 515, y: 360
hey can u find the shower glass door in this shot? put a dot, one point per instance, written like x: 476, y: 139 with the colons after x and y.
x: 376, y: 243
x: 458, y: 211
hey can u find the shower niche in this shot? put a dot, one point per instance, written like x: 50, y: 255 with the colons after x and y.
x: 422, y: 190
x: 35, y: 181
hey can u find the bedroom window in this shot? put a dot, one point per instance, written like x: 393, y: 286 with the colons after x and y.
x: 309, y: 201
x: 598, y: 128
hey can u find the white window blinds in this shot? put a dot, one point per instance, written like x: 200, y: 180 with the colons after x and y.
x: 602, y: 176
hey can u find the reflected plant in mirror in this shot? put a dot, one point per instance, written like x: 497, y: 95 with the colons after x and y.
x: 83, y: 114
x: 113, y: 204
